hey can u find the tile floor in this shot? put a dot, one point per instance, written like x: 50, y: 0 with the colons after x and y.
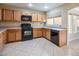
x: 40, y: 47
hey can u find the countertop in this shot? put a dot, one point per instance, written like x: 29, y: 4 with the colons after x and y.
x: 52, y: 28
x: 2, y: 29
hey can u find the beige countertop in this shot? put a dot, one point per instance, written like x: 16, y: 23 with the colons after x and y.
x: 2, y: 29
x: 59, y: 29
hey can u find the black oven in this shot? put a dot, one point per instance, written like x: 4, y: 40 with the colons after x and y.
x: 26, y: 18
x: 26, y: 32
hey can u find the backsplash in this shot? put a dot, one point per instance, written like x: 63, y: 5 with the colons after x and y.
x: 11, y: 24
x: 37, y: 25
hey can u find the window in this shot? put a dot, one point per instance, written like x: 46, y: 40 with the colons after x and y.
x: 54, y: 21
x: 50, y: 21
x: 57, y: 20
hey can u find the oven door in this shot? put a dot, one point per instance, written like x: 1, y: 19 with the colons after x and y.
x: 26, y: 35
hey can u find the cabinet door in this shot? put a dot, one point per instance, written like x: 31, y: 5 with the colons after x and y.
x: 18, y: 35
x: 39, y: 18
x: 48, y: 34
x: 0, y: 14
x: 39, y: 32
x: 1, y: 42
x: 44, y: 18
x: 17, y: 16
x: 34, y: 17
x: 5, y: 37
x: 35, y: 33
x: 7, y: 15
x: 44, y: 33
x: 11, y: 36
x: 62, y: 38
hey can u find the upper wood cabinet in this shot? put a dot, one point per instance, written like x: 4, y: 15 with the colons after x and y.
x: 39, y: 18
x: 8, y: 15
x: 43, y: 18
x: 0, y: 14
x: 17, y: 16
x: 34, y: 17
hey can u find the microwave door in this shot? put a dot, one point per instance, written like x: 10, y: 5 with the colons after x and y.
x: 26, y: 18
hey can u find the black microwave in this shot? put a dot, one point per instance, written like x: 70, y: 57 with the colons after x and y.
x: 26, y: 18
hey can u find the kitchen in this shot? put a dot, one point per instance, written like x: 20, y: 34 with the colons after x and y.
x: 18, y: 24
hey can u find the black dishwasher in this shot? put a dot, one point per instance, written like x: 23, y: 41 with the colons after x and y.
x: 54, y: 37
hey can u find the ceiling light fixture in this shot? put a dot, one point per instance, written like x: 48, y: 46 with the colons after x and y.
x: 30, y: 5
x: 46, y: 7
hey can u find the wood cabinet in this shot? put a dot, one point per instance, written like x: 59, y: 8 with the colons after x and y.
x: 18, y: 34
x: 37, y: 32
x: 11, y: 35
x: 7, y: 15
x: 14, y: 35
x: 44, y: 18
x: 5, y: 36
x: 48, y: 34
x: 1, y: 42
x: 34, y: 17
x: 0, y: 14
x: 62, y: 38
x: 44, y: 33
x: 39, y: 18
x: 17, y: 16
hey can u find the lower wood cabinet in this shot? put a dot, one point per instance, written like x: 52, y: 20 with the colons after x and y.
x: 1, y: 42
x: 5, y: 36
x: 48, y: 34
x: 44, y: 33
x: 0, y: 14
x: 62, y: 38
x: 11, y: 35
x: 18, y: 34
x: 37, y: 32
x: 14, y: 35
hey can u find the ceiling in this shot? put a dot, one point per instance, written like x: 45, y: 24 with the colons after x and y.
x: 36, y: 6
x: 74, y: 11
